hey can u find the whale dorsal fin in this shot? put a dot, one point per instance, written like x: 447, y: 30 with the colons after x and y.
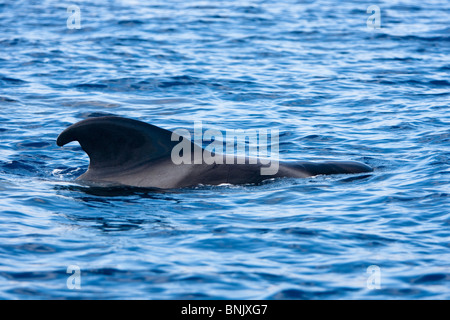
x: 118, y: 143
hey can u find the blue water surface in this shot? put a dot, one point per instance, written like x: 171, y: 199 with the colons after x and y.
x: 334, y: 87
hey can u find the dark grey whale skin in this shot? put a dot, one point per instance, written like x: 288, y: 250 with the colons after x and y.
x: 126, y: 152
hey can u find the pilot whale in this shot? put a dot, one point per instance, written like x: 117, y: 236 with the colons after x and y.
x: 127, y: 152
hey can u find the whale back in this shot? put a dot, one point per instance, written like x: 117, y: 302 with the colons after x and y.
x: 133, y: 153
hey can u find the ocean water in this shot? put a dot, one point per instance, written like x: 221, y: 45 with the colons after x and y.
x: 334, y: 86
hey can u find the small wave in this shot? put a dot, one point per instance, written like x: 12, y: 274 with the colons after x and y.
x: 13, y: 81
